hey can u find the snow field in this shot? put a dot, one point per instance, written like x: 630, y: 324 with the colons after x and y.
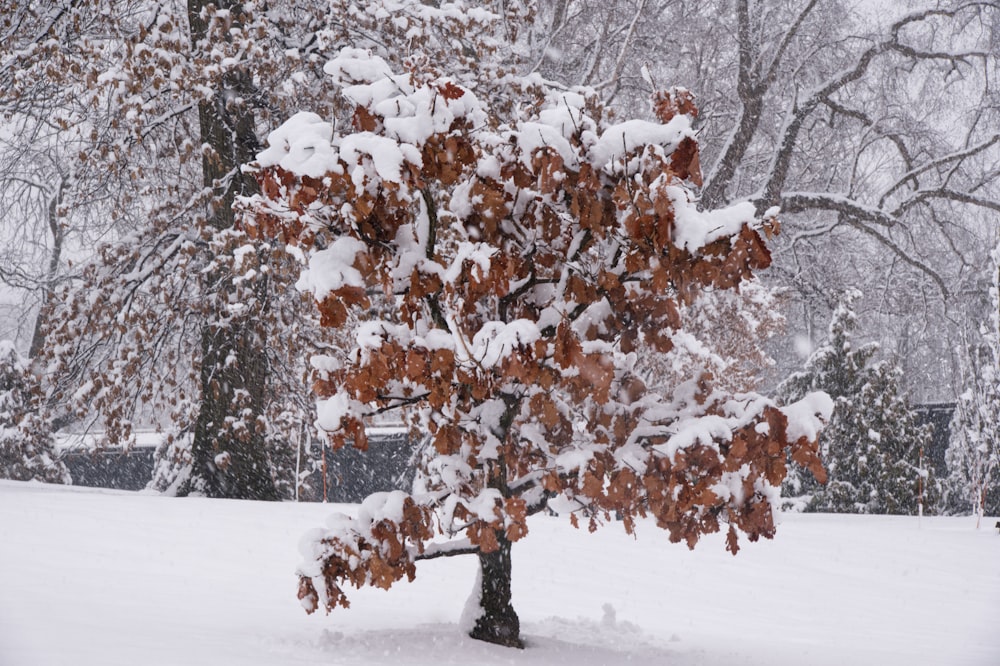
x: 108, y: 578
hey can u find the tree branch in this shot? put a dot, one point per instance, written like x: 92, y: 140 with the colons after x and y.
x: 799, y: 202
x: 899, y: 252
x: 772, y: 70
x: 770, y: 194
x: 400, y: 402
x: 952, y: 195
x: 620, y: 61
x: 865, y: 120
x: 751, y: 96
x: 945, y: 159
x: 433, y: 551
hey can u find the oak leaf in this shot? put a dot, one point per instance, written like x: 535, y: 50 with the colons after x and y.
x: 450, y: 91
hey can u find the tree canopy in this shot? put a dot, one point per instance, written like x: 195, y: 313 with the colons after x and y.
x: 531, y: 258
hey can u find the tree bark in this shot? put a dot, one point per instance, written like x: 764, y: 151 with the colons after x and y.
x: 55, y: 259
x: 230, y: 458
x: 497, y: 623
x: 228, y: 450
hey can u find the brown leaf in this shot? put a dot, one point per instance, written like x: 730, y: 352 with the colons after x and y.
x: 363, y: 120
x: 685, y: 161
x: 490, y: 202
x: 622, y: 488
x: 450, y: 91
x: 552, y: 483
x: 442, y: 361
x: 448, y: 440
x: 567, y: 346
x: 806, y: 454
x: 732, y: 541
x: 483, y: 535
x: 548, y: 163
x: 517, y: 515
x: 416, y: 364
x: 545, y: 409
x: 598, y: 372
x: 332, y: 312
x: 592, y: 486
x: 307, y: 595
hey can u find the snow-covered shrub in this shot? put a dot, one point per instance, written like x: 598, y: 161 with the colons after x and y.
x: 27, y: 449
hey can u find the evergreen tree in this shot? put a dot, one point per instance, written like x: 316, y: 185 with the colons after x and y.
x: 873, y: 445
x: 27, y: 450
x: 972, y: 458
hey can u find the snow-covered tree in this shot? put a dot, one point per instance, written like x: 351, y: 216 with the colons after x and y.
x: 533, y: 250
x: 973, y: 455
x: 180, y: 318
x: 973, y: 458
x: 873, y: 445
x: 27, y: 449
x: 143, y: 98
x: 172, y: 314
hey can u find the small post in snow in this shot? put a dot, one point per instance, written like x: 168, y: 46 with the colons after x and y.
x: 920, y: 500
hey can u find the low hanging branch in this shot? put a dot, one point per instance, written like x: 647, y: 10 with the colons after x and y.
x: 530, y: 264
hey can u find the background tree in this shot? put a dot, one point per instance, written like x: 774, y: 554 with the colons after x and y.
x: 55, y: 203
x: 159, y: 90
x: 27, y: 450
x: 873, y: 130
x: 532, y: 255
x: 873, y: 445
x: 972, y: 458
x: 973, y: 455
x: 174, y: 321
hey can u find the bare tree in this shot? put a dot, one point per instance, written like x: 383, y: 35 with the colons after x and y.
x: 874, y: 131
x: 149, y: 110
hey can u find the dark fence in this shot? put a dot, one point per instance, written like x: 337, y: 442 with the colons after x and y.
x: 110, y: 467
x: 938, y: 415
x: 350, y: 474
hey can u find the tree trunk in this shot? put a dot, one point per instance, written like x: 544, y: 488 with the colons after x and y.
x: 497, y: 623
x: 228, y: 450
x: 230, y: 458
x: 55, y: 259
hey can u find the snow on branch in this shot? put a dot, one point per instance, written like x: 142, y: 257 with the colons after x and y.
x: 958, y: 156
x: 797, y: 202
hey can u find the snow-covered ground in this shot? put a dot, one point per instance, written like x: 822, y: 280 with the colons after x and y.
x: 104, y: 578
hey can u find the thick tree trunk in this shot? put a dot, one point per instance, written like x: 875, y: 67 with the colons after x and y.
x: 497, y: 623
x: 230, y: 458
x: 228, y: 451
